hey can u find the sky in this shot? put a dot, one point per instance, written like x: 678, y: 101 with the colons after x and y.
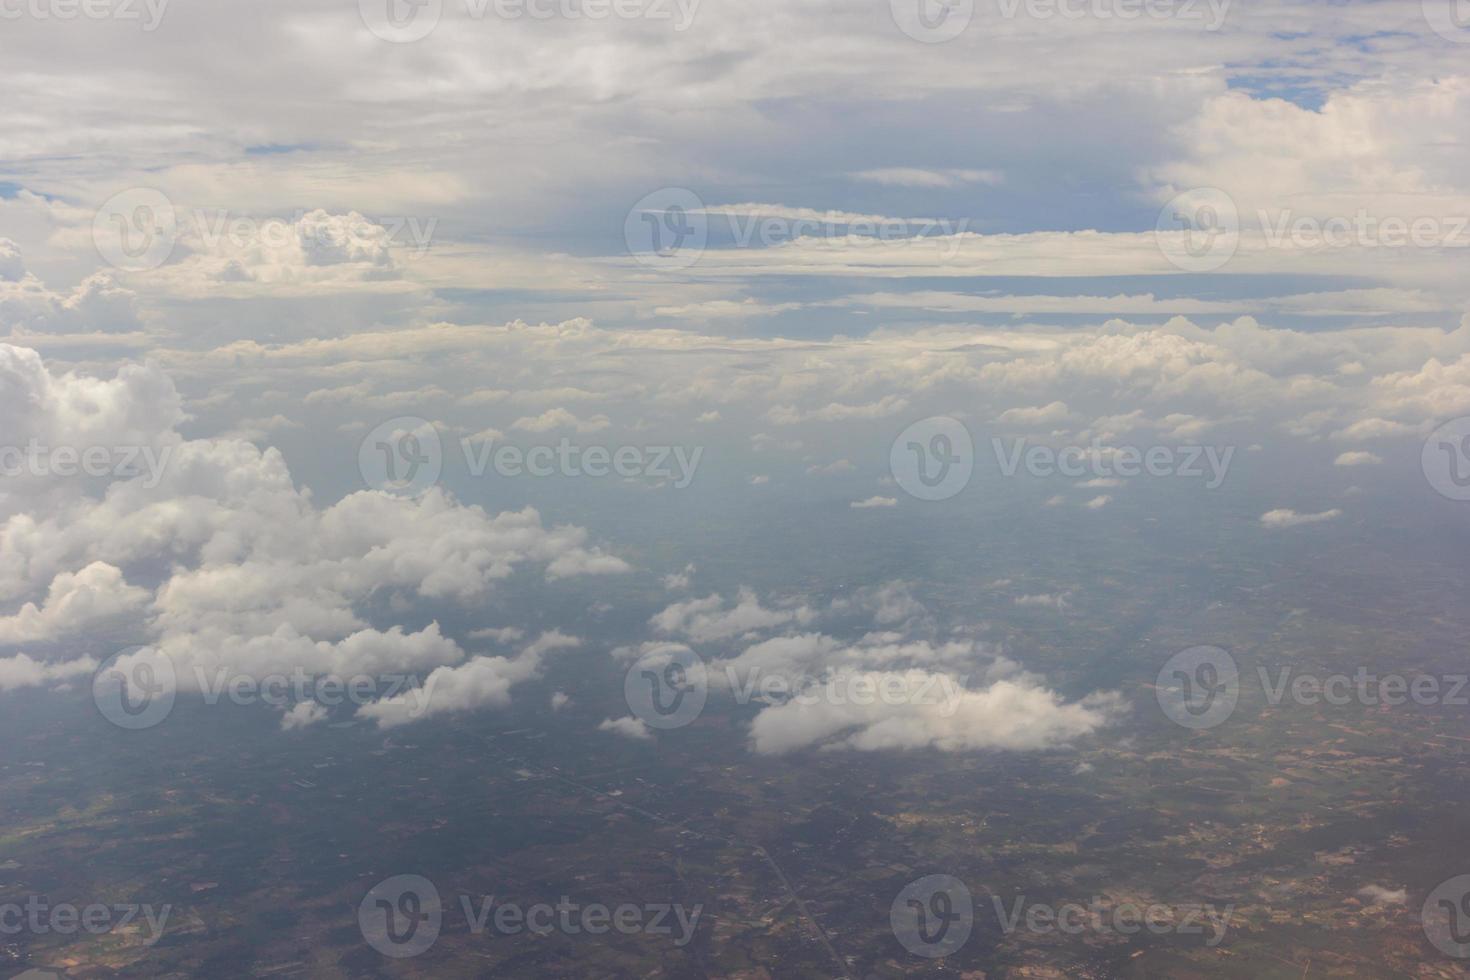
x: 292, y: 272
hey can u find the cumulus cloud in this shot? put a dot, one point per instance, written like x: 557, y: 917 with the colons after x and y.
x: 1054, y: 413
x: 22, y: 671
x: 910, y: 713
x: 873, y: 502
x: 477, y: 683
x: 889, y: 688
x: 711, y: 618
x: 227, y: 253
x: 560, y: 418
x: 98, y: 304
x: 302, y: 714
x: 627, y: 727
x: 1045, y: 600
x: 1286, y: 517
x: 919, y: 177
x: 232, y: 569
x: 78, y: 602
x: 679, y: 581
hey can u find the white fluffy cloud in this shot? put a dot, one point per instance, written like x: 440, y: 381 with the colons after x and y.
x: 24, y: 671
x: 230, y: 567
x: 913, y: 715
x: 887, y: 689
x: 1286, y: 517
x: 480, y: 682
x: 627, y: 727
x: 76, y: 603
x: 711, y: 618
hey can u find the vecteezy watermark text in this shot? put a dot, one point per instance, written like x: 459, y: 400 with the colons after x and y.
x: 677, y: 464
x: 934, y: 458
x: 405, y: 455
x: 139, y: 229
x: 39, y: 460
x: 402, y: 917
x: 1123, y: 918
x: 1201, y: 687
x: 137, y: 688
x: 847, y: 687
x: 1363, y: 229
x: 149, y: 13
x: 39, y: 917
x: 670, y: 228
x: 1102, y: 461
x: 934, y: 916
x: 405, y: 21
x: 936, y: 21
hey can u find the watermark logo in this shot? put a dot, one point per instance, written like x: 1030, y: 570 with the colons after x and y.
x: 402, y: 456
x: 135, y: 688
x: 845, y: 687
x: 1199, y: 687
x: 400, y: 21
x: 135, y: 229
x: 140, y: 229
x: 667, y: 229
x: 1446, y: 917
x: 932, y: 459
x: 1208, y: 463
x: 405, y: 21
x: 932, y: 21
x: 1446, y: 459
x: 1450, y: 19
x: 667, y: 690
x: 1199, y: 229
x: 675, y: 465
x: 933, y: 917
x: 401, y: 916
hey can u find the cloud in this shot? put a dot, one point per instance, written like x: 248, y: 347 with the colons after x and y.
x: 627, y: 727
x: 1045, y: 600
x: 873, y: 502
x: 912, y: 714
x: 560, y: 418
x: 477, y: 683
x: 303, y: 714
x: 679, y: 581
x: 1286, y: 517
x: 919, y: 177
x: 247, y: 574
x: 76, y: 603
x: 1357, y: 458
x: 22, y: 671
x: 1054, y: 413
x: 712, y: 619
x: 837, y: 412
